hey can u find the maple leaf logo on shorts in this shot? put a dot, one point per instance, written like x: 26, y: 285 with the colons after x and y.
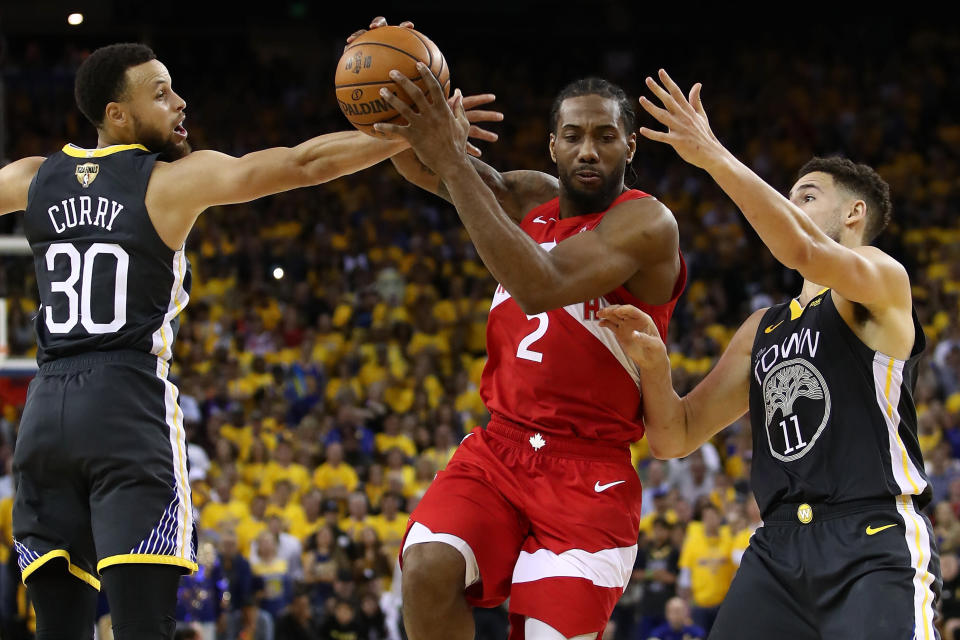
x: 537, y: 441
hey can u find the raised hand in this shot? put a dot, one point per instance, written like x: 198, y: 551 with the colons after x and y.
x: 437, y: 131
x: 636, y: 333
x: 376, y: 23
x: 688, y: 129
x: 470, y: 104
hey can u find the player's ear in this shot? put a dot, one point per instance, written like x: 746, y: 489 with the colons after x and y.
x: 631, y: 146
x: 857, y: 212
x: 553, y: 151
x: 115, y: 114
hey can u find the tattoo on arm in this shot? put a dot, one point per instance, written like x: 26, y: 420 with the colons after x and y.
x: 441, y: 187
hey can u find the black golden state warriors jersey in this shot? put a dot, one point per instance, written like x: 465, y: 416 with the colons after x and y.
x: 107, y: 281
x: 833, y: 420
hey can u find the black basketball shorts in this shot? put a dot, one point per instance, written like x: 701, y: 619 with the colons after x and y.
x: 100, y: 467
x: 859, y: 571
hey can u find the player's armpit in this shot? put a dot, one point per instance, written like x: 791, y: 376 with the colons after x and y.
x: 724, y: 394
x: 15, y: 181
x: 634, y: 236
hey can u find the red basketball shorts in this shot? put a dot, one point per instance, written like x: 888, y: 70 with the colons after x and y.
x: 552, y: 523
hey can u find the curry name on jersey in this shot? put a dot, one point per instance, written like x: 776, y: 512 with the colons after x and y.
x: 106, y: 279
x: 833, y: 420
x: 558, y: 372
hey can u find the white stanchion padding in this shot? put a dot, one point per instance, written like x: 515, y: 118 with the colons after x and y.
x: 14, y: 245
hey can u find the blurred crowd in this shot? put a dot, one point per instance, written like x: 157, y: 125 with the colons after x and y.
x: 330, y: 357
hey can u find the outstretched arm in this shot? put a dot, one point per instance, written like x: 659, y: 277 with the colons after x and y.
x: 517, y: 191
x: 634, y: 236
x: 15, y: 181
x: 863, y: 274
x: 179, y: 191
x: 675, y: 426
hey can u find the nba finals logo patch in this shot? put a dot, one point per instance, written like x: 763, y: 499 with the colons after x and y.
x: 359, y: 62
x: 87, y: 173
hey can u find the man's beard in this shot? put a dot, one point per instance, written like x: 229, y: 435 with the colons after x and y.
x: 173, y: 151
x: 593, y: 201
x: 165, y: 147
x: 835, y: 230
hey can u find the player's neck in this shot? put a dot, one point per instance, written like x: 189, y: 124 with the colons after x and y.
x: 809, y: 291
x: 105, y: 139
x: 571, y: 208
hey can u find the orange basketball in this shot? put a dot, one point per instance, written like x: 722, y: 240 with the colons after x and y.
x: 365, y: 67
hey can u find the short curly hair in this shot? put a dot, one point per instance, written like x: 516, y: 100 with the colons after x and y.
x: 101, y: 78
x: 595, y: 87
x: 862, y: 181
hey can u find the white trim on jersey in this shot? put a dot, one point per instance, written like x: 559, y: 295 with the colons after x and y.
x: 178, y: 445
x: 501, y: 294
x: 888, y: 380
x: 609, y: 568
x: 420, y: 533
x: 918, y: 543
x: 606, y: 337
x: 534, y: 629
x: 163, y: 336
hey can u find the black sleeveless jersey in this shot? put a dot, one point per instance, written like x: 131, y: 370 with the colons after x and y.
x: 832, y: 419
x: 106, y: 279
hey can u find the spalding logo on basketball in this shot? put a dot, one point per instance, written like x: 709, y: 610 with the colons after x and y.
x: 365, y: 67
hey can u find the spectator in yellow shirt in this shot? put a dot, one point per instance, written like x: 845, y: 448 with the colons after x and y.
x: 741, y: 538
x: 285, y: 507
x: 282, y: 467
x: 312, y: 503
x: 223, y: 507
x: 661, y: 509
x: 357, y: 518
x: 391, y: 525
x: 443, y: 447
x: 6, y: 531
x: 400, y: 476
x: 706, y: 566
x: 253, y: 525
x: 224, y: 457
x: 256, y: 461
x: 375, y: 486
x: 391, y: 437
x: 255, y: 431
x: 334, y: 477
x: 425, y: 474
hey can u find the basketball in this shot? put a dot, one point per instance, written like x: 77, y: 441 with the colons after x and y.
x: 365, y: 66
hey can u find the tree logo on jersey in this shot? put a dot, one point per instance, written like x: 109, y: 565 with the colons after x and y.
x: 796, y: 408
x: 87, y: 173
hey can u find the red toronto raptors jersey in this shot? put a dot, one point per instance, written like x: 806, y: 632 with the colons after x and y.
x: 559, y: 372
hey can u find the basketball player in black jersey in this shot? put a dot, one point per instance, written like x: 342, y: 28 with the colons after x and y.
x: 100, y: 461
x: 845, y: 550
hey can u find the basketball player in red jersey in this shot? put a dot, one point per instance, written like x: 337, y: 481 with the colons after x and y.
x: 543, y: 505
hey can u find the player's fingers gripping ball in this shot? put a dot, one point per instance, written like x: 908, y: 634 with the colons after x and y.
x: 365, y: 67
